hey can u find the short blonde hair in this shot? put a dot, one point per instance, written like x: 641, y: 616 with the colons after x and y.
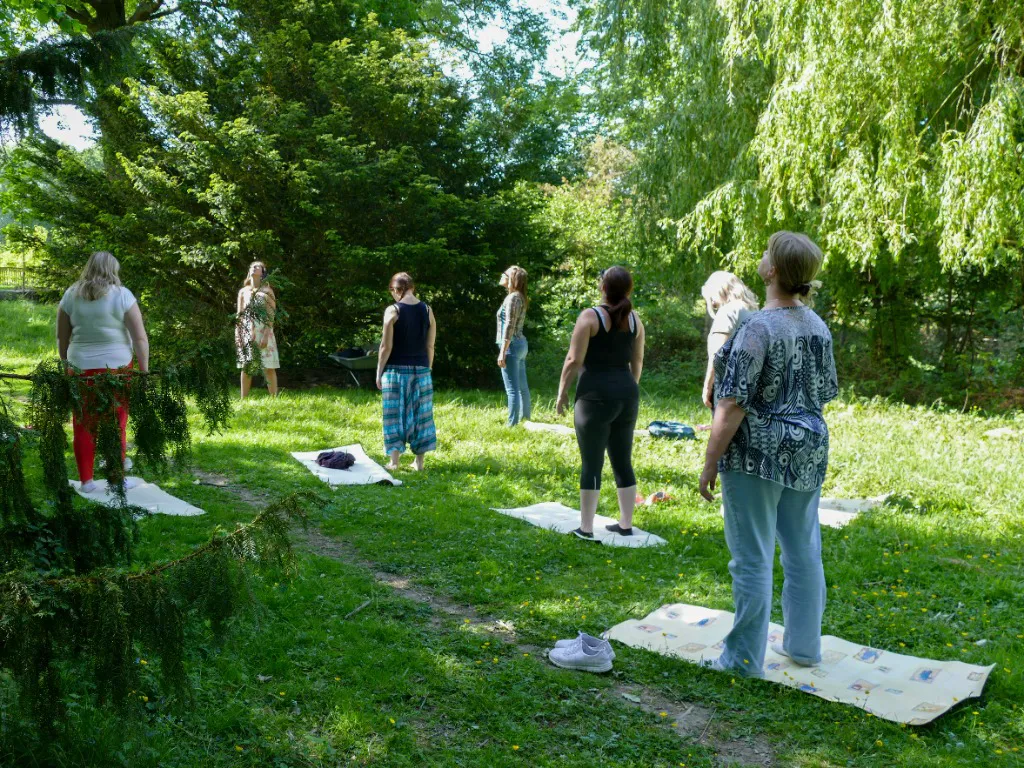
x: 723, y: 287
x: 797, y: 260
x: 101, y: 272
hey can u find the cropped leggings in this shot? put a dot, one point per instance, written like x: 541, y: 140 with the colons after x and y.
x: 606, y: 425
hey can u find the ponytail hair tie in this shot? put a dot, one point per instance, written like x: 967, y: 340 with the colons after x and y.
x: 803, y: 289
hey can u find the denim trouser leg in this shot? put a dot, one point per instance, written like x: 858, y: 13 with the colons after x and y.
x: 757, y: 510
x: 803, y: 589
x: 514, y: 376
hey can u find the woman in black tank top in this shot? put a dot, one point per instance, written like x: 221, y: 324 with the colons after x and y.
x: 608, y: 344
x: 403, y: 374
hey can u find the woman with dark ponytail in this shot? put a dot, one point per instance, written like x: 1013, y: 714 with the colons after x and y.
x: 608, y: 343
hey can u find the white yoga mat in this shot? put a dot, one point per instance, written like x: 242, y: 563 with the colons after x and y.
x: 562, y: 429
x: 364, y: 472
x: 562, y: 519
x: 892, y: 686
x: 149, y: 496
x: 837, y: 513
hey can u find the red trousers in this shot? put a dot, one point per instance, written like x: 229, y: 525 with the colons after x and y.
x: 85, y: 425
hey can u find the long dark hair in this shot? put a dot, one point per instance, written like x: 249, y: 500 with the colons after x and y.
x: 617, y: 284
x: 401, y: 281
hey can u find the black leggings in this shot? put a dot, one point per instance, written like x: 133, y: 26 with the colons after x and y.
x: 602, y: 424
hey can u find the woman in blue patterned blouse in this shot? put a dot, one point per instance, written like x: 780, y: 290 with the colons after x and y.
x: 769, y: 441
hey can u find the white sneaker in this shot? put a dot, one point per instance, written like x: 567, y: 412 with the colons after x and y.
x: 88, y: 486
x: 593, y: 642
x: 777, y: 647
x: 578, y: 655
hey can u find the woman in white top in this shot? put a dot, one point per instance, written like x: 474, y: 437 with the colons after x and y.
x: 99, y: 330
x: 729, y: 303
x: 256, y: 301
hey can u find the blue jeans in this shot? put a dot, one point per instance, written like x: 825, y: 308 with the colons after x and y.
x: 756, y: 512
x: 514, y: 376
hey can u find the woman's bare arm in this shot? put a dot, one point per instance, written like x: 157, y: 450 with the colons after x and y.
x: 386, y: 341
x: 137, y: 332
x: 728, y: 417
x: 431, y: 338
x: 63, y: 334
x: 715, y: 342
x: 586, y: 326
x: 636, y: 365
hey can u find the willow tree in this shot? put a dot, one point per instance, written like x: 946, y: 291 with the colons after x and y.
x: 892, y: 132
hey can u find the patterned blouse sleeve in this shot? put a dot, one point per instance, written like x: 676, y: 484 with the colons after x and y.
x: 830, y: 376
x: 513, y: 312
x: 743, y: 368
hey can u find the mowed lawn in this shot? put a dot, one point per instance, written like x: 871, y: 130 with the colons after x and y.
x: 933, y: 573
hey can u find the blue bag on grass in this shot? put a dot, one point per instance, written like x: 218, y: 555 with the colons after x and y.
x: 674, y: 429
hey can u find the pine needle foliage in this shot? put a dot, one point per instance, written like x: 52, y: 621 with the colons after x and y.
x: 92, y: 628
x: 58, y: 71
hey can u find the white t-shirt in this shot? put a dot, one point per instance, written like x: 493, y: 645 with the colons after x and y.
x: 99, y: 338
x: 729, y: 316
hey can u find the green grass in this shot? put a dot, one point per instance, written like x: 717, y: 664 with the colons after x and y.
x: 399, y: 684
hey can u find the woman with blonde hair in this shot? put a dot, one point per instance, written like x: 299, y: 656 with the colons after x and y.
x: 512, y: 346
x: 99, y: 330
x: 256, y: 308
x: 770, y: 443
x: 729, y: 303
x: 403, y: 373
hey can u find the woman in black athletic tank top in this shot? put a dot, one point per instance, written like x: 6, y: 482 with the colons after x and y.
x: 608, y: 343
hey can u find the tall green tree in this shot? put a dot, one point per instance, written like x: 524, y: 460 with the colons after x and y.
x: 315, y: 137
x: 892, y: 132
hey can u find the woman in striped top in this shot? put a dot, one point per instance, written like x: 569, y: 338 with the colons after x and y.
x: 512, y: 346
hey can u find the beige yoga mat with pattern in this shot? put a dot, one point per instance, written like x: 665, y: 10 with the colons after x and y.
x: 364, y: 472
x: 892, y: 686
x: 149, y: 496
x: 562, y: 519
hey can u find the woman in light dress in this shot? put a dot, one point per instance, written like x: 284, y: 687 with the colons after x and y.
x: 256, y: 308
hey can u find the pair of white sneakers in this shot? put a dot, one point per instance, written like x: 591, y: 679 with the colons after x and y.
x: 585, y: 653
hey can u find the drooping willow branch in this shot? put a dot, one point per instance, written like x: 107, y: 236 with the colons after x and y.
x: 90, y: 628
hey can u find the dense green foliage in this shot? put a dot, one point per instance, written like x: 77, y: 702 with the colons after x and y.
x: 892, y: 133
x: 74, y: 604
x: 325, y: 139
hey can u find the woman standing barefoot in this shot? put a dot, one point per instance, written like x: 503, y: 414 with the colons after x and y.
x: 256, y: 308
x: 403, y: 373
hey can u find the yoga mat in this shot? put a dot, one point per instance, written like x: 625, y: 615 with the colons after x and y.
x: 892, y: 686
x: 562, y: 429
x: 364, y: 472
x: 149, y: 496
x: 837, y: 513
x: 562, y: 519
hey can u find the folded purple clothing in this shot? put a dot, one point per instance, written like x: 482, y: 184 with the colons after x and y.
x: 336, y: 459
